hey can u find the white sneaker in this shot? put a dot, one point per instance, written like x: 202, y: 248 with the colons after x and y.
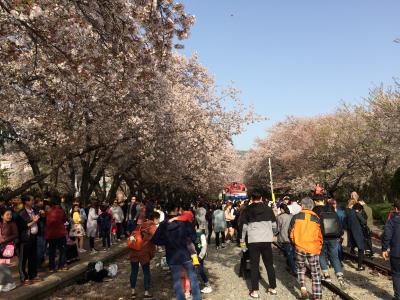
x: 188, y: 296
x: 207, y: 290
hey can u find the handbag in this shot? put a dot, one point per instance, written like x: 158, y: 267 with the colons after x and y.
x: 8, y: 251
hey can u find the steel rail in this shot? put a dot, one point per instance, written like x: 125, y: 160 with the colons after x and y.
x: 370, y: 263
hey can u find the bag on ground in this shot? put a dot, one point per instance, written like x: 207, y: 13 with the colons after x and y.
x: 112, y: 270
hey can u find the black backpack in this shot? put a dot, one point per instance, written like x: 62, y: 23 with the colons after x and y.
x: 330, y: 225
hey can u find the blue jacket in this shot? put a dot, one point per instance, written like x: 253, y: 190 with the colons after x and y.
x: 175, y: 236
x: 391, y: 235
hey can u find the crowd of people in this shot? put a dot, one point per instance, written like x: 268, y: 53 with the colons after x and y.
x: 35, y: 228
x: 309, y: 231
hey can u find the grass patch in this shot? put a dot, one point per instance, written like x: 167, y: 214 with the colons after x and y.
x: 380, y: 211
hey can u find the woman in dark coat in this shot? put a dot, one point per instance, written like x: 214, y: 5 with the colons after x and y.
x: 355, y: 230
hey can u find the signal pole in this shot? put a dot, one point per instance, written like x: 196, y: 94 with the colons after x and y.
x: 271, y: 182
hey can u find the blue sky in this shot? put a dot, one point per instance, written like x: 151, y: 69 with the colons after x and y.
x: 298, y: 58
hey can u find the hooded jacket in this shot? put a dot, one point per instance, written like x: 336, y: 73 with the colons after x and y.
x: 391, y: 235
x: 175, y: 237
x: 259, y: 223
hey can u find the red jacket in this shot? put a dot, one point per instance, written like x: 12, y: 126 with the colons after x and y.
x: 146, y: 254
x: 55, y: 219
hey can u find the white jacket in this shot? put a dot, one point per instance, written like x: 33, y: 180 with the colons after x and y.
x: 117, y: 214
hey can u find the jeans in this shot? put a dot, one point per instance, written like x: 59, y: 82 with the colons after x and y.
x: 330, y: 248
x: 290, y: 254
x: 176, y: 278
x: 40, y: 250
x: 27, y: 255
x: 395, y: 265
x: 265, y: 250
x: 61, y: 245
x: 146, y: 275
x: 201, y: 271
x: 130, y: 226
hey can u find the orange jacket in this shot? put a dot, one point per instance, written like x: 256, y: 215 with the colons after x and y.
x: 305, y: 232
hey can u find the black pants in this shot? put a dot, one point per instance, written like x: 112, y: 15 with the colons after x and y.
x: 395, y: 264
x: 27, y: 255
x: 60, y: 245
x: 119, y: 230
x: 210, y: 231
x: 360, y: 258
x: 265, y: 250
x: 105, y: 235
x: 91, y: 243
x: 217, y: 242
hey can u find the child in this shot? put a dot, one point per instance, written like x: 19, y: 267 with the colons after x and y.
x: 105, y: 227
x: 201, y: 249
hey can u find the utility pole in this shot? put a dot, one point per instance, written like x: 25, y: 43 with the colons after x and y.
x: 271, y: 182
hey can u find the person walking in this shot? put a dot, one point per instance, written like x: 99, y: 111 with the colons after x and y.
x: 143, y: 256
x: 118, y: 216
x: 391, y: 247
x: 28, y: 229
x: 332, y: 231
x: 305, y: 234
x: 8, y: 236
x: 219, y: 225
x: 201, y: 250
x: 200, y: 215
x: 229, y: 218
x: 283, y: 222
x: 209, y: 218
x: 355, y: 223
x: 55, y: 233
x: 91, y: 226
x: 259, y: 224
x: 175, y: 236
x: 368, y: 216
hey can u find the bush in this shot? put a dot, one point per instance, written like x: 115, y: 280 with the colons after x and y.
x: 380, y: 211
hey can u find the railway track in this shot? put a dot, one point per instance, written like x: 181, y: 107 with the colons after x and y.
x: 371, y: 262
x: 385, y: 270
x: 329, y: 285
